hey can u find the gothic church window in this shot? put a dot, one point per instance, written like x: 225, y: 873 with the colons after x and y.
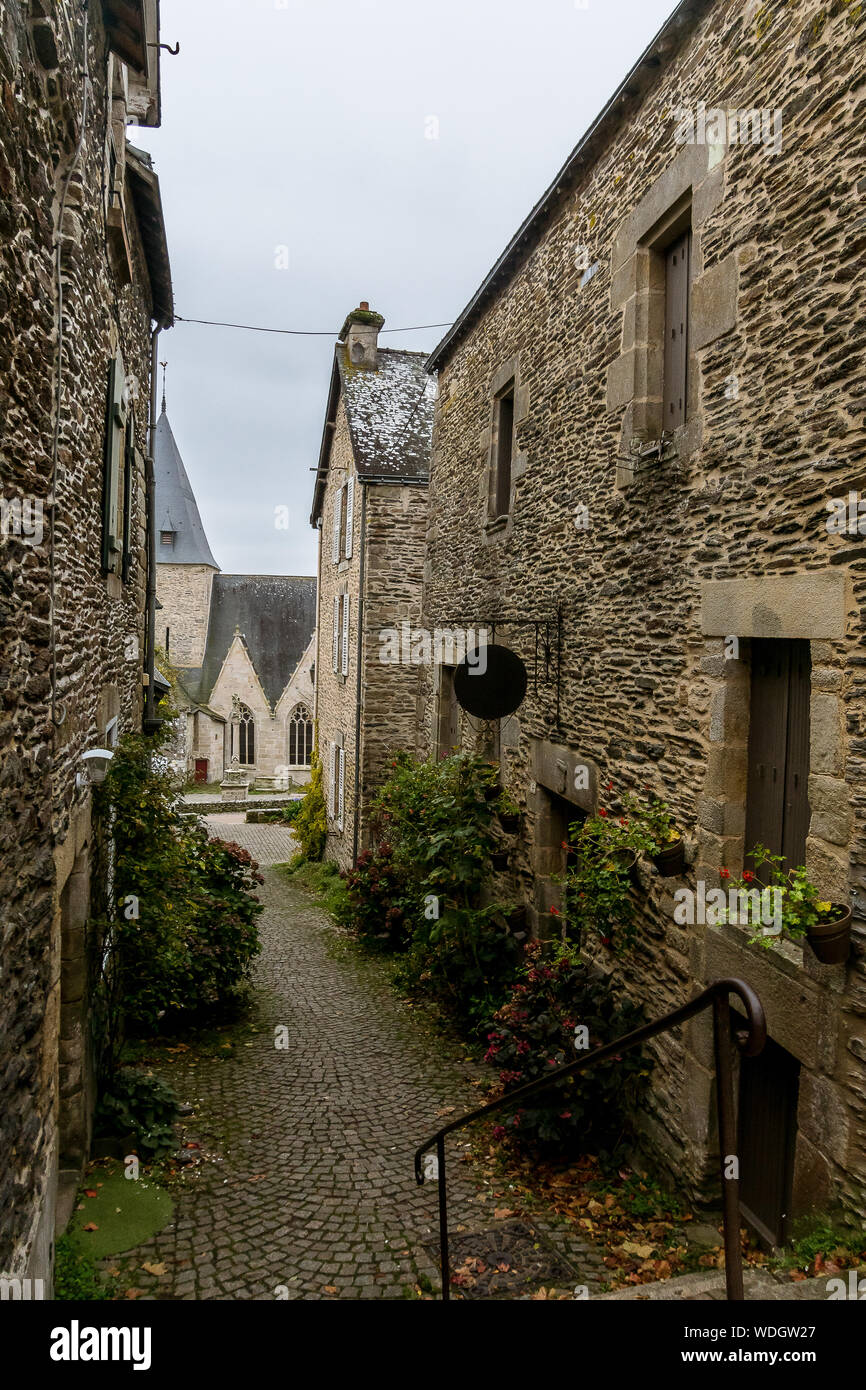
x: 300, y: 737
x: 245, y: 733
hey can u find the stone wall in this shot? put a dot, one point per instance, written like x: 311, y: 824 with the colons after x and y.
x: 336, y: 694
x: 184, y: 592
x: 633, y: 561
x: 45, y: 831
x: 394, y: 547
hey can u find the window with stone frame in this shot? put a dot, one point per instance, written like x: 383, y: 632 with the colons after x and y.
x: 503, y: 452
x: 300, y: 737
x: 676, y: 363
x: 449, y: 716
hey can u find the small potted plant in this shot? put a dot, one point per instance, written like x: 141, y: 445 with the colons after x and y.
x: 605, y: 851
x: 668, y: 850
x: 509, y: 815
x: 802, y: 912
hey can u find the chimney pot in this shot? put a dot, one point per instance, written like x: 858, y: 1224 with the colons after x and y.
x: 360, y: 333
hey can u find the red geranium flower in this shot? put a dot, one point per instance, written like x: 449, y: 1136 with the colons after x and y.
x: 748, y: 875
x: 724, y: 873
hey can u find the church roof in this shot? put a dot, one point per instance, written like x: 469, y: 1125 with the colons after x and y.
x: 276, y: 617
x: 176, y: 508
x: 390, y: 415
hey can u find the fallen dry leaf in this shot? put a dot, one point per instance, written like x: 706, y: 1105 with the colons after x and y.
x: 91, y: 1226
x: 133, y: 1293
x: 154, y: 1269
x: 329, y: 1288
x: 501, y: 1213
x: 91, y: 1192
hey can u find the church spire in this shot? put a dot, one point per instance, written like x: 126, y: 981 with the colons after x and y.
x: 177, y: 514
x: 164, y: 366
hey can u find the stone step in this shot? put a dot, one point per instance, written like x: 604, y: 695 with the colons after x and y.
x: 758, y: 1285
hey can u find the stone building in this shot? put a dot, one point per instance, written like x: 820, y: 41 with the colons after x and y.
x: 648, y: 416
x: 242, y: 645
x: 85, y: 288
x: 370, y: 504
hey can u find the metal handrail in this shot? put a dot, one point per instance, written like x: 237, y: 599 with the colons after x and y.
x: 750, y: 1040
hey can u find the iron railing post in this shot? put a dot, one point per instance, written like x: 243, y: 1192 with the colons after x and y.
x: 443, y: 1221
x: 750, y: 1041
x: 728, y: 1157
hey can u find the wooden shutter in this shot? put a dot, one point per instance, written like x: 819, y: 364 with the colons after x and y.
x: 350, y: 515
x: 797, y: 813
x: 342, y: 783
x: 676, y: 364
x: 332, y: 779
x: 337, y: 599
x: 504, y: 450
x: 128, y: 475
x: 345, y: 661
x: 338, y: 521
x: 767, y: 1123
x: 115, y: 440
x: 777, y: 805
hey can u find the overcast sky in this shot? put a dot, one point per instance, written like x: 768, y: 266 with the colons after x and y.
x: 306, y: 125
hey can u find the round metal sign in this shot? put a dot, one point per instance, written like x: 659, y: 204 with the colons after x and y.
x: 490, y: 682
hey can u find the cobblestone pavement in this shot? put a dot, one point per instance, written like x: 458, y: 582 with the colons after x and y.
x: 306, y: 1189
x: 269, y: 844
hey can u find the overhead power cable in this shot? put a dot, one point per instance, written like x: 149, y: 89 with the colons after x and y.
x: 301, y: 332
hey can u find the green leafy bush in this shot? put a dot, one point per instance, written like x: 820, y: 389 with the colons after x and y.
x: 140, y: 1103
x: 76, y: 1279
x: 380, y: 903
x: 180, y: 933
x: 535, y: 1032
x: 426, y: 885
x: 310, y: 821
x: 465, y: 960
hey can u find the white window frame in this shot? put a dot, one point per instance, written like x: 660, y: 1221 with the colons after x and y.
x: 338, y: 598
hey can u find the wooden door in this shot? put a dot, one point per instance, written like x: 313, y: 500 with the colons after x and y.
x: 201, y: 769
x: 767, y: 1126
x: 777, y: 804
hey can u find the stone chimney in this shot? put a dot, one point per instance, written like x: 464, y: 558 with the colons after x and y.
x: 360, y: 333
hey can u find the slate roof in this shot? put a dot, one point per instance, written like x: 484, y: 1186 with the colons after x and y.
x: 276, y: 614
x: 176, y: 508
x: 390, y: 414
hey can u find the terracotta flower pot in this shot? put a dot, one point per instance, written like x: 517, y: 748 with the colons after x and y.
x: 671, y: 860
x: 831, y: 939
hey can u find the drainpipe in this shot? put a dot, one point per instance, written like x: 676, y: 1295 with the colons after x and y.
x: 150, y: 494
x: 362, y: 546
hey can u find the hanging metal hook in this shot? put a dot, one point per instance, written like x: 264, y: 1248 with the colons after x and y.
x: 168, y: 48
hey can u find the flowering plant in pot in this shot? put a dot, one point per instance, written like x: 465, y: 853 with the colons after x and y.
x: 801, y: 911
x: 667, y: 847
x: 603, y: 851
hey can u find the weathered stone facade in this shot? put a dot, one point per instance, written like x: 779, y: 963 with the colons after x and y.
x: 371, y: 508
x: 73, y: 588
x: 632, y: 573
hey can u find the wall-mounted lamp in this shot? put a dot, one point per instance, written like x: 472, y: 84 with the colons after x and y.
x: 96, y: 762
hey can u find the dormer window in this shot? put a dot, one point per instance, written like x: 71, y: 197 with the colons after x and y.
x: 166, y: 537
